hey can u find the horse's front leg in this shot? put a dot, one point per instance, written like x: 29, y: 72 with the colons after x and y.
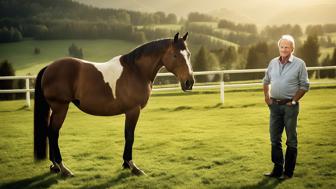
x: 130, y: 124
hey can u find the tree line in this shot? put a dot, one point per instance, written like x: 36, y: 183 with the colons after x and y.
x: 65, y: 19
x: 259, y: 56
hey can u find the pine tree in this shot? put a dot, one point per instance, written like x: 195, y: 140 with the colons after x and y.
x: 205, y: 61
x: 310, y: 51
x: 6, y: 69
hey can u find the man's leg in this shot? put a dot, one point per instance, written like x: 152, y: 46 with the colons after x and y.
x: 276, y: 129
x: 291, y: 114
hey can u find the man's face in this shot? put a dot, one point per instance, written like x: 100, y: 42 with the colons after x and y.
x: 285, y: 48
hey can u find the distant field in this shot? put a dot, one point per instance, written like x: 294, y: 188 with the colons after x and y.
x: 326, y: 51
x: 176, y: 27
x: 181, y: 141
x: 211, y: 24
x: 24, y: 61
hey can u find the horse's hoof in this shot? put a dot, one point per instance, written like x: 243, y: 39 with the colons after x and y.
x: 65, y: 171
x: 134, y: 169
x: 54, y: 169
x: 67, y: 175
x: 138, y: 172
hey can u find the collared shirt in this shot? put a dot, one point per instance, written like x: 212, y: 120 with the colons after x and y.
x: 286, y: 79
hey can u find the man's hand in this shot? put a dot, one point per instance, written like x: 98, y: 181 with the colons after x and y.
x: 268, y: 100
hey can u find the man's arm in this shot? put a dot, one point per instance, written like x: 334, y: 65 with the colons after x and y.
x: 298, y: 95
x: 304, y: 84
x: 268, y: 99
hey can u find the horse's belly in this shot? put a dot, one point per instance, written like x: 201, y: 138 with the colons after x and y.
x: 99, y: 108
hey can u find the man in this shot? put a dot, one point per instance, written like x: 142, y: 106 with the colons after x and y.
x: 288, y: 78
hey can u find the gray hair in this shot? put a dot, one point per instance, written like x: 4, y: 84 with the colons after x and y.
x: 287, y: 38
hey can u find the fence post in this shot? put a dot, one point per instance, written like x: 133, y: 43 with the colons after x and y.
x: 27, y: 93
x: 222, y: 89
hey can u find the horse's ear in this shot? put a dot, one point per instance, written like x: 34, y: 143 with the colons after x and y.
x: 185, y: 36
x: 176, y: 37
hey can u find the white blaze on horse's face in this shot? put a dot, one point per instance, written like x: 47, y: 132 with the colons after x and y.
x: 186, y: 56
x: 111, y: 72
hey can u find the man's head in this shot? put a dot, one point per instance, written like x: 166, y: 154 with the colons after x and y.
x: 286, y: 45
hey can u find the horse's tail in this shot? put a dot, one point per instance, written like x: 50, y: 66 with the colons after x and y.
x: 41, y: 119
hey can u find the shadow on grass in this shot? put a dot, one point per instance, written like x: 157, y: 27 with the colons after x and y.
x: 265, y: 183
x: 113, y: 182
x: 23, y: 108
x: 40, y: 181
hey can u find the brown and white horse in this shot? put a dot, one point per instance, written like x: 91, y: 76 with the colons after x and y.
x: 119, y: 86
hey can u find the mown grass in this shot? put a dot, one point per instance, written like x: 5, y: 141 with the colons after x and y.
x: 181, y: 141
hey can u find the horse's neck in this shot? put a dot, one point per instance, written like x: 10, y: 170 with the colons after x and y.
x: 149, y: 66
x: 146, y: 66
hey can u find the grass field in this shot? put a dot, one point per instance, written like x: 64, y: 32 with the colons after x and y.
x: 25, y: 61
x: 181, y: 141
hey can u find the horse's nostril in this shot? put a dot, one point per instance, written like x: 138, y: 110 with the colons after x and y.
x: 189, y: 84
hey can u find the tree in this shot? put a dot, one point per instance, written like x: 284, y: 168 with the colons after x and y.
x: 171, y: 19
x: 205, y: 61
x: 313, y: 30
x: 6, y: 69
x: 310, y: 52
x: 329, y: 61
x: 228, y: 57
x: 75, y: 51
x: 10, y: 35
x: 37, y: 50
x: 296, y: 31
x: 258, y: 56
x: 333, y: 59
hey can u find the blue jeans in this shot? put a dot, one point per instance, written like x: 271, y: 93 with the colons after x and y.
x: 284, y: 117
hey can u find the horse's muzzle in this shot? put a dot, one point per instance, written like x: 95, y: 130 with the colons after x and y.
x: 187, y: 84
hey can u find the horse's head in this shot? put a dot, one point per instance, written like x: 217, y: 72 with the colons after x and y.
x: 177, y: 60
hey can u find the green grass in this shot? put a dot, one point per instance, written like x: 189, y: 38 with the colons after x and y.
x: 25, y: 61
x: 181, y: 141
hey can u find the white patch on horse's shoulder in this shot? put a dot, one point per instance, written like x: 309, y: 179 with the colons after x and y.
x: 185, y: 54
x: 111, y: 71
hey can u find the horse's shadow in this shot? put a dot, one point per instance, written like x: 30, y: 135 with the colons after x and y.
x: 40, y: 181
x: 265, y: 183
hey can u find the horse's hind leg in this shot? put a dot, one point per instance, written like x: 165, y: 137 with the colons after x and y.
x: 59, y: 111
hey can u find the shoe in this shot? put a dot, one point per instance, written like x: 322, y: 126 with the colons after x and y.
x: 273, y: 174
x: 284, y: 177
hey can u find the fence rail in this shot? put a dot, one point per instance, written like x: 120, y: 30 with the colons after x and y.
x: 221, y: 84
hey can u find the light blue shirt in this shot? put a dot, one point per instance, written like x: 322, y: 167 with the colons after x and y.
x: 286, y: 79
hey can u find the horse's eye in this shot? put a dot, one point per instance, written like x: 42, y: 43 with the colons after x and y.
x: 175, y: 55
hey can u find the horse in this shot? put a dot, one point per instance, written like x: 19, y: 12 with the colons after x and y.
x: 121, y: 85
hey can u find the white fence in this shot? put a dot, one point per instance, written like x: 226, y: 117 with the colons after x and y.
x: 220, y: 85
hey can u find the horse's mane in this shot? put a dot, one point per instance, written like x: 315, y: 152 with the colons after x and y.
x: 147, y: 49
